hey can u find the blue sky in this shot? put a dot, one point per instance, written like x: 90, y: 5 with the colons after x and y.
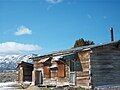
x: 42, y: 26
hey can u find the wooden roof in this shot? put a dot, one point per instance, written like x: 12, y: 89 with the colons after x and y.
x: 25, y: 63
x: 72, y: 50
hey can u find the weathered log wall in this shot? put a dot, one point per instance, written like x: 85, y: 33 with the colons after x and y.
x: 37, y: 64
x: 105, y: 66
x: 24, y: 72
x: 83, y: 77
x: 54, y: 78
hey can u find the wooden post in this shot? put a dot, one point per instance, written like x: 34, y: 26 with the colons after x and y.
x: 33, y: 77
x: 21, y: 75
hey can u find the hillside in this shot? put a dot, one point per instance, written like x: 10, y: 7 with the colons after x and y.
x: 9, y: 62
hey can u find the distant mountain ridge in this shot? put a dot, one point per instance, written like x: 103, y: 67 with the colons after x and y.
x: 9, y: 62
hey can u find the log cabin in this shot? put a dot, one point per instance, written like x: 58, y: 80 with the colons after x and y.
x: 24, y: 72
x: 87, y: 66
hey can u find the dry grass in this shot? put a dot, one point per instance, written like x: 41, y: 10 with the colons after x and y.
x: 8, y: 77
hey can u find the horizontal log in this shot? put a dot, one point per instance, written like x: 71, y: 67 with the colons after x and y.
x: 100, y: 66
x: 86, y: 73
x: 105, y: 58
x: 83, y: 84
x: 105, y: 81
x: 85, y: 66
x: 84, y: 62
x: 83, y: 78
x: 86, y: 69
x: 83, y: 81
x: 100, y: 83
x: 105, y: 68
x: 109, y: 76
x: 105, y: 72
x: 113, y: 61
x: 107, y: 53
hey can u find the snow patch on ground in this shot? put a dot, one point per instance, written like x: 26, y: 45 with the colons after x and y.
x: 7, y: 84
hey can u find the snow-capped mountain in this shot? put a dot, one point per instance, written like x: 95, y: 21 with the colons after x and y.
x: 9, y: 62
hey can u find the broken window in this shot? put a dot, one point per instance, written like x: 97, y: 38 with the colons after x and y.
x: 73, y: 62
x: 75, y: 65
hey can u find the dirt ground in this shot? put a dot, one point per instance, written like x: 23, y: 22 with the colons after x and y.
x: 44, y: 88
x: 16, y: 86
x: 13, y: 86
x: 10, y: 86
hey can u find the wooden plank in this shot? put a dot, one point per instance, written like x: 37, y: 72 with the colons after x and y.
x: 83, y: 78
x: 83, y: 62
x: 105, y: 79
x: 85, y: 65
x: 100, y: 66
x: 99, y: 72
x: 105, y: 61
x: 103, y: 82
x: 105, y: 58
x: 85, y: 73
x: 106, y: 53
x: 110, y: 75
x: 83, y: 82
x: 86, y: 69
x: 105, y: 67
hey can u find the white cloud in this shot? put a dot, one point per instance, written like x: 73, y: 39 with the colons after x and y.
x: 22, y: 30
x: 13, y: 47
x: 104, y: 17
x: 54, y: 1
x: 49, y: 7
x: 89, y: 16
